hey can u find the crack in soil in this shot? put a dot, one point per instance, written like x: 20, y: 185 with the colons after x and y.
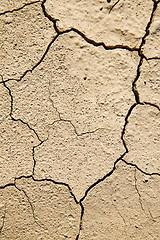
x: 3, y: 222
x: 137, y: 102
x: 35, y: 66
x: 139, y: 195
x: 32, y: 208
x: 20, y: 8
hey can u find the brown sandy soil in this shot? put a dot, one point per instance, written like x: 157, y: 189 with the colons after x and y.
x: 80, y: 120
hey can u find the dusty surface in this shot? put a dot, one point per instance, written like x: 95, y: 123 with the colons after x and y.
x: 142, y: 138
x: 79, y: 120
x: 149, y: 84
x: 22, y: 33
x: 124, y: 207
x: 38, y: 210
x: 124, y: 24
x: 152, y: 47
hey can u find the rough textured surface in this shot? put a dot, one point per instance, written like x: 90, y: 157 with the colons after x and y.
x: 152, y: 46
x: 38, y: 210
x: 22, y: 33
x: 77, y: 80
x: 142, y: 138
x: 4, y: 103
x: 79, y: 120
x: 10, y: 5
x: 125, y: 24
x: 32, y: 101
x: 114, y: 210
x: 72, y: 159
x: 16, y: 142
x: 149, y: 83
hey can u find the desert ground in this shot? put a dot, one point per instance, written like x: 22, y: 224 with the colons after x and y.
x: 80, y: 120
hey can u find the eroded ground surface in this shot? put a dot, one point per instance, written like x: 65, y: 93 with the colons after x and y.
x: 80, y: 119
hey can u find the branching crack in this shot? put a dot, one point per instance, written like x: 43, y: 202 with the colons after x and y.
x: 57, y: 183
x: 49, y: 17
x: 140, y: 53
x: 137, y: 102
x: 134, y: 165
x: 18, y: 120
x: 75, y: 130
x: 32, y: 208
x: 25, y: 123
x: 35, y: 66
x: 88, y: 40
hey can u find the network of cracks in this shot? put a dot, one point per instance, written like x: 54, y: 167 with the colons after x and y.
x: 79, y: 120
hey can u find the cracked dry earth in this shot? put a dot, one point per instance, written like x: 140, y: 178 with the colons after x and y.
x: 80, y: 119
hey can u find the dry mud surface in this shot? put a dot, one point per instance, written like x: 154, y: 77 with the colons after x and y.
x: 80, y: 120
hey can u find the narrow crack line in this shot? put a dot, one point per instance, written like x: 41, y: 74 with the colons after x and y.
x: 119, y: 213
x: 152, y: 104
x: 111, y: 8
x: 7, y: 185
x: 152, y: 215
x: 33, y: 154
x: 125, y: 125
x: 102, y: 179
x: 49, y: 17
x: 36, y: 65
x: 3, y: 222
x: 32, y: 208
x: 20, y: 8
x: 120, y: 158
x: 18, y: 120
x: 139, y: 195
x: 134, y: 165
x: 46, y: 51
x: 75, y: 130
x: 52, y: 102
